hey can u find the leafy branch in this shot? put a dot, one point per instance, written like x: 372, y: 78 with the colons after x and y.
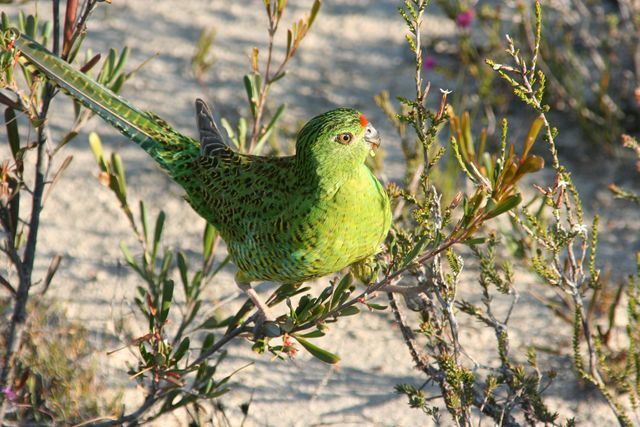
x: 565, y: 242
x: 258, y: 83
x: 20, y: 241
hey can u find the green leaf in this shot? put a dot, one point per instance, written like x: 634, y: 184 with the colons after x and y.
x: 75, y: 47
x: 268, y: 129
x: 413, y: 253
x: 167, y: 295
x: 124, y: 55
x: 118, y: 169
x: 532, y: 135
x: 289, y: 40
x: 208, y: 342
x: 504, y: 206
x: 352, y: 310
x: 183, y: 268
x: 326, y: 292
x: 96, y: 149
x: 21, y: 21
x: 144, y: 220
x: 304, y: 307
x: 5, y: 21
x: 157, y: 235
x: 344, y: 284
x: 166, y: 265
x: 107, y: 68
x: 46, y: 31
x: 194, y: 312
x: 313, y: 334
x: 31, y: 27
x: 181, y: 350
x: 531, y: 165
x: 208, y: 238
x: 314, y: 12
x: 320, y: 353
x: 232, y: 135
x: 117, y: 85
x: 66, y: 139
x: 12, y: 131
x: 221, y: 265
x: 211, y: 323
x: 278, y: 76
x: 242, y: 132
x: 252, y: 93
x: 56, y: 177
x: 127, y: 253
x: 131, y: 261
x: 476, y: 241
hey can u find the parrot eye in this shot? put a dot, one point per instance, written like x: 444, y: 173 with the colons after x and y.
x: 344, y: 138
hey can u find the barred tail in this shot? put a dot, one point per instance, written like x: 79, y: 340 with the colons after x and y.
x: 168, y: 147
x: 212, y: 142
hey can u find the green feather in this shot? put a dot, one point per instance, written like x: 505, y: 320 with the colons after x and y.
x: 286, y: 219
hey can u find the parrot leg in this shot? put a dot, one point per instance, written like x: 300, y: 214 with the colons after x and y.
x: 253, y: 295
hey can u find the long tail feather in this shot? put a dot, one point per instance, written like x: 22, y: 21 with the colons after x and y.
x: 168, y: 147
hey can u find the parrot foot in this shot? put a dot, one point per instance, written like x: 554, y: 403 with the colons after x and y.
x: 264, y: 319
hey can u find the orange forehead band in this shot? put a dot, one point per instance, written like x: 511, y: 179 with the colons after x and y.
x: 363, y: 120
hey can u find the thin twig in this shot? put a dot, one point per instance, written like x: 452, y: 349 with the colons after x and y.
x: 18, y: 324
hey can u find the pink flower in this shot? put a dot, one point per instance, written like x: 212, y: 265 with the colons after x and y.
x: 465, y: 18
x: 288, y: 346
x: 429, y: 63
x: 11, y: 395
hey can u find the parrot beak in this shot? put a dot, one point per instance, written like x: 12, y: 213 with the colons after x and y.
x: 372, y: 137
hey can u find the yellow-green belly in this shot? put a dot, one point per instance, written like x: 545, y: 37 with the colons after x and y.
x: 311, y: 240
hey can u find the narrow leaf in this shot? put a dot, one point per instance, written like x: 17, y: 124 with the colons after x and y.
x: 167, y: 295
x: 344, y: 284
x: 182, y: 267
x: 417, y: 248
x: 124, y: 55
x: 249, y: 86
x: 313, y: 334
x: 320, y: 353
x: 352, y: 310
x: 314, y: 12
x: 208, y: 238
x: 158, y: 233
x: 504, y: 206
x: 144, y: 220
x: 65, y: 164
x: 268, y: 129
x: 181, y: 350
x: 530, y: 165
x: 96, y: 149
x: 118, y: 169
x: 12, y: 131
x: 51, y: 271
x: 534, y: 130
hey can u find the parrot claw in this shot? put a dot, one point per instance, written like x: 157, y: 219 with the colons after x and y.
x: 264, y: 320
x: 264, y: 326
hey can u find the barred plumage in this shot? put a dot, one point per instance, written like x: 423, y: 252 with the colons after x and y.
x: 286, y: 219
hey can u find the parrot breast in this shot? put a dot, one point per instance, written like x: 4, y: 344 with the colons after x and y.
x: 302, y: 233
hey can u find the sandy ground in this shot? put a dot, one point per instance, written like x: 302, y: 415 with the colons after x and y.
x: 355, y: 50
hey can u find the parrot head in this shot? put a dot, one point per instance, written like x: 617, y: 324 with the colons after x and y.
x: 336, y: 142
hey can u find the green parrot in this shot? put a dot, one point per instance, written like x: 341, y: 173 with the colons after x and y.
x: 284, y: 219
